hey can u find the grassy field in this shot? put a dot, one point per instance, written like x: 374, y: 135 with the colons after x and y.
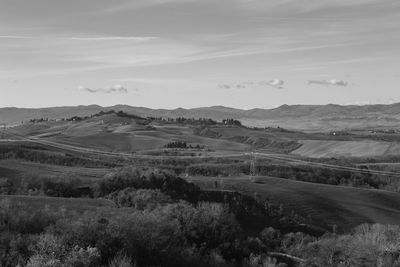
x: 48, y: 170
x: 16, y: 170
x: 134, y: 142
x: 121, y: 134
x: 73, y: 204
x: 364, y: 148
x: 112, y: 133
x: 346, y: 207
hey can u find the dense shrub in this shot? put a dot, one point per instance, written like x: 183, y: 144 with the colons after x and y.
x: 50, y: 251
x: 59, y: 186
x: 161, y: 237
x: 293, y: 172
x: 14, y: 248
x: 166, y: 182
x: 19, y: 227
x: 140, y: 199
x: 40, y: 154
x: 16, y: 217
x: 162, y: 220
x: 178, y: 234
x: 367, y: 245
x: 6, y: 186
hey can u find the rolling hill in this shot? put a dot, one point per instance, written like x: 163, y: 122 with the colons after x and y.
x: 304, y: 117
x: 346, y: 207
x: 330, y: 148
x: 127, y: 132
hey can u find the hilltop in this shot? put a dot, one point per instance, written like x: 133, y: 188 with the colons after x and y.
x: 301, y: 117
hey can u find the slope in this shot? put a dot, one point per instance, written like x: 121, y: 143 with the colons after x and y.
x: 346, y: 207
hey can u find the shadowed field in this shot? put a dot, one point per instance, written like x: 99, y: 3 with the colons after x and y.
x: 17, y: 168
x: 346, y: 207
x: 73, y: 204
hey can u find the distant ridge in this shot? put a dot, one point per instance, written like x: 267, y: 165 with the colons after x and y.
x: 312, y: 117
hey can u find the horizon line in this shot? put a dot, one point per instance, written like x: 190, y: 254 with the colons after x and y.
x: 199, y: 107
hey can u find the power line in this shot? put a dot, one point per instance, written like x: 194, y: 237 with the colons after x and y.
x: 329, y: 166
x: 253, y: 155
x: 253, y: 169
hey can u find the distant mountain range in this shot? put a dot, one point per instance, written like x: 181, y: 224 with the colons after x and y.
x: 302, y: 117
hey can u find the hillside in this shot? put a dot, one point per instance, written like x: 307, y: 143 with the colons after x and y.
x: 346, y: 207
x: 310, y: 117
x: 126, y: 132
x: 73, y: 204
x: 326, y: 149
x: 112, y: 132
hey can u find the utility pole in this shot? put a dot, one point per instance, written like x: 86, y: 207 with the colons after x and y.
x: 253, y: 168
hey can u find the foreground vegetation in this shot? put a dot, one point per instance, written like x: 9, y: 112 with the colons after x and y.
x: 161, y: 220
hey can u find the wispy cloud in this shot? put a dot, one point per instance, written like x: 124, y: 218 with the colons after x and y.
x: 231, y: 86
x: 325, y: 64
x: 86, y: 38
x: 152, y: 81
x: 276, y: 83
x: 139, y: 4
x: 15, y: 37
x: 329, y: 82
x: 113, y: 89
x: 116, y: 38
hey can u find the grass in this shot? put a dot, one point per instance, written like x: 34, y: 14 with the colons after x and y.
x: 18, y: 167
x: 113, y: 133
x: 346, y: 207
x: 7, y: 172
x: 121, y: 142
x: 73, y: 204
x: 145, y: 140
x: 365, y: 148
x: 17, y: 170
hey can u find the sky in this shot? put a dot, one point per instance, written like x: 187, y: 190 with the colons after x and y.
x: 194, y: 53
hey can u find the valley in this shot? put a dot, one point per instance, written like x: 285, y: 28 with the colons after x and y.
x: 313, y: 182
